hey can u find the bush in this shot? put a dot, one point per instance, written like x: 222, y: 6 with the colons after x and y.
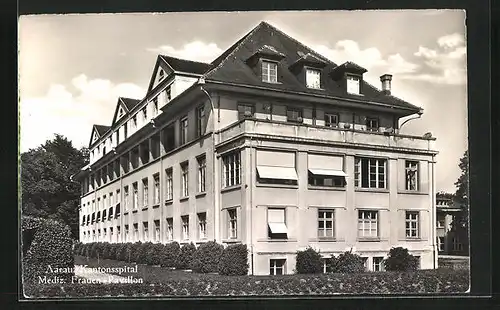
x: 234, y: 260
x: 347, y: 263
x: 125, y: 252
x: 170, y: 255
x: 186, y: 256
x: 46, y: 243
x: 400, y: 260
x: 207, y: 256
x: 309, y: 261
x: 154, y: 254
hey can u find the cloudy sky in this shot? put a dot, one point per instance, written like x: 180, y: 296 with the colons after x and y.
x: 74, y: 67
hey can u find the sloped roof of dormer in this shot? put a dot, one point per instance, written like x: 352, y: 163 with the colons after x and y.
x: 231, y: 67
x: 188, y: 66
x: 97, y: 132
x: 127, y: 104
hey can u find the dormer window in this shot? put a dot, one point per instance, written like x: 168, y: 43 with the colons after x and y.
x: 313, y: 77
x: 145, y: 113
x: 269, y: 72
x: 352, y: 84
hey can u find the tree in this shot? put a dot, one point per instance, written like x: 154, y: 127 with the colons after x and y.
x: 461, y: 198
x: 45, y: 180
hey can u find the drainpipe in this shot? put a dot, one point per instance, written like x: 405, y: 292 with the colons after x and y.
x: 201, y: 82
x: 251, y: 204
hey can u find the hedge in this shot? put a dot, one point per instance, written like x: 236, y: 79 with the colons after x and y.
x: 234, y: 260
x: 185, y: 258
x: 347, y: 262
x: 418, y: 282
x: 47, y: 250
x: 170, y: 254
x: 206, y: 257
x: 309, y: 261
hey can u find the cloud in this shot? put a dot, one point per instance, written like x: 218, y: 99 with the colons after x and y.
x: 71, y: 113
x: 196, y: 50
x: 445, y: 65
x: 369, y: 58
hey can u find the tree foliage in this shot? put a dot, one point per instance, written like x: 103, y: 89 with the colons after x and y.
x: 461, y: 198
x: 47, y: 191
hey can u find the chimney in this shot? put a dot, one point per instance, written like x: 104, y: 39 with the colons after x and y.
x: 386, y: 83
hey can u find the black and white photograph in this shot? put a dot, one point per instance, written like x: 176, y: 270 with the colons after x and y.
x: 263, y: 153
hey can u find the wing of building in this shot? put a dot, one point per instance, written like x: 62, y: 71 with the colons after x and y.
x: 271, y: 145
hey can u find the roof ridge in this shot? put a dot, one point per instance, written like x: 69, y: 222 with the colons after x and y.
x: 301, y: 44
x: 242, y: 41
x: 177, y: 58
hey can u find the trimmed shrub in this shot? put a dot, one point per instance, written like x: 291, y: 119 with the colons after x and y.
x: 135, y: 254
x: 207, y: 256
x: 234, y: 260
x: 154, y: 254
x: 170, y: 254
x: 309, y: 261
x: 347, y: 262
x: 186, y: 256
x: 125, y: 252
x: 47, y: 250
x: 400, y: 260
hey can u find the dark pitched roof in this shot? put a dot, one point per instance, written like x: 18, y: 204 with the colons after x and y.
x: 186, y: 65
x: 231, y: 67
x: 130, y: 103
x: 101, y: 129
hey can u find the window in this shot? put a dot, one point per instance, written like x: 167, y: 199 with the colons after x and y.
x: 110, y: 214
x: 185, y: 179
x: 440, y: 244
x: 111, y: 201
x: 231, y: 167
x: 93, y: 218
x: 145, y: 114
x: 370, y: 173
x: 83, y: 220
x: 185, y: 227
x: 99, y: 234
x: 135, y: 196
x: 276, y: 223
x: 169, y: 183
x: 169, y: 138
x: 411, y: 169
x: 367, y: 224
x: 134, y: 121
x: 184, y: 130
x: 202, y: 167
x: 202, y: 225
x: 331, y: 120
x: 276, y: 167
x: 457, y: 245
x: 145, y: 231
x: 378, y: 264
x: 136, y: 232
x: 412, y: 224
x: 440, y: 221
x: 277, y: 267
x: 145, y: 190
x: 98, y: 219
x: 325, y: 224
x: 232, y: 224
x: 126, y: 197
x: 327, y: 267
x: 326, y: 170
x: 200, y: 121
x: 105, y: 233
x: 118, y: 232
x: 170, y: 229
x: 371, y: 124
x: 161, y: 75
x: 144, y: 149
x: 127, y: 236
x: 269, y: 72
x: 313, y: 78
x: 156, y: 192
x: 293, y: 115
x: 157, y: 231
x: 353, y: 84
x: 245, y: 110
x: 155, y: 146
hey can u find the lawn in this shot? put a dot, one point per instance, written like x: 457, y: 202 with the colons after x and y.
x: 163, y: 282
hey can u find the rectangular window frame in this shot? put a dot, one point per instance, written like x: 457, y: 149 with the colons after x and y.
x: 368, y: 221
x: 323, y: 220
x: 269, y: 71
x: 231, y: 166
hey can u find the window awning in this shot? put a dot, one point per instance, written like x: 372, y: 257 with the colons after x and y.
x: 278, y: 228
x: 281, y: 173
x: 330, y: 172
